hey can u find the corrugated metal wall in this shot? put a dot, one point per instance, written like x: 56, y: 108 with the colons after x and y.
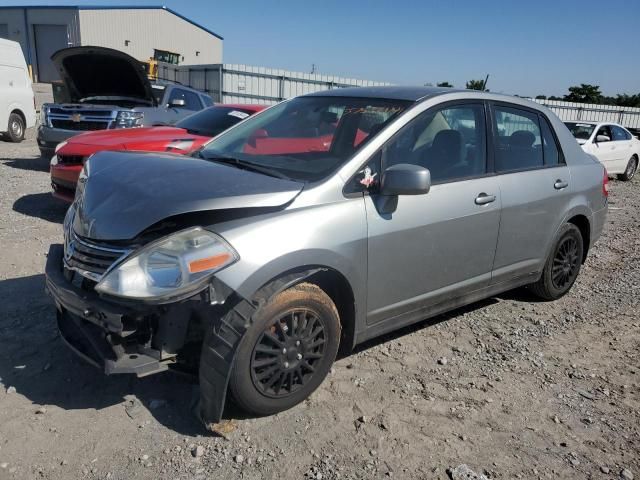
x: 591, y: 112
x: 232, y: 83
x: 148, y: 29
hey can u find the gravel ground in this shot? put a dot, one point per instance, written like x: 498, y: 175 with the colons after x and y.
x: 511, y: 387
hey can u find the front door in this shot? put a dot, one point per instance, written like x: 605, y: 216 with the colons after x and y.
x: 426, y: 249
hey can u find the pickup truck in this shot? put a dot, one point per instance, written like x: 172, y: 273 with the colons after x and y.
x: 108, y: 89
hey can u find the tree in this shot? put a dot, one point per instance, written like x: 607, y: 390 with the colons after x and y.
x: 541, y: 97
x: 585, y: 93
x: 444, y: 84
x: 476, y: 85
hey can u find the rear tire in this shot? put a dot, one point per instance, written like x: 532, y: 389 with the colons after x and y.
x: 287, y: 352
x: 15, y: 128
x: 630, y: 171
x: 563, y: 265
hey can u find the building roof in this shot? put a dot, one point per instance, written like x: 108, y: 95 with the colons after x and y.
x: 115, y: 7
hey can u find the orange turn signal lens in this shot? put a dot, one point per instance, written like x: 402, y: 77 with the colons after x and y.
x: 208, y: 263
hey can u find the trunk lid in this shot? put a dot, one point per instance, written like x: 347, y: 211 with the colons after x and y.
x: 102, y: 72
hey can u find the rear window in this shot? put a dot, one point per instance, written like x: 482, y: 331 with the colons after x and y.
x: 519, y: 142
x: 212, y: 121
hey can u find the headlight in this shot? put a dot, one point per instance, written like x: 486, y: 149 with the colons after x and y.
x: 44, y: 115
x: 171, y: 267
x: 60, y: 145
x: 127, y: 119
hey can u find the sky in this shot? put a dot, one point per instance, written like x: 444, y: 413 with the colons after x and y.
x: 527, y: 48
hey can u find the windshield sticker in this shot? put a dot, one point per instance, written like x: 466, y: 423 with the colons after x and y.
x: 369, y: 178
x: 180, y: 144
x: 237, y: 114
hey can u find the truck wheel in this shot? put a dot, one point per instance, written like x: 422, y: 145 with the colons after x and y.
x: 287, y: 352
x: 630, y: 171
x: 562, y: 266
x: 15, y: 132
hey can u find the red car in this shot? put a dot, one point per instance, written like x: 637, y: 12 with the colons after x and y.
x: 187, y: 135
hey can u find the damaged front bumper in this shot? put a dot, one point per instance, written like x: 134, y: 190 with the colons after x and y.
x: 144, y: 339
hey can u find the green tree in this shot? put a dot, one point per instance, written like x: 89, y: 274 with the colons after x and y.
x: 584, y: 93
x: 476, y: 85
x: 444, y: 84
x: 541, y: 97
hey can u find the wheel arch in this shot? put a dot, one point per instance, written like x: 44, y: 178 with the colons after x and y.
x: 582, y: 222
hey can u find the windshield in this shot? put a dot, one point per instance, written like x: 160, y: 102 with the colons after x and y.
x: 581, y: 131
x: 212, y: 121
x: 308, y: 137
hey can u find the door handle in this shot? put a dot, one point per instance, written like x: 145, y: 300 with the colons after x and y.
x: 560, y: 184
x: 484, y: 199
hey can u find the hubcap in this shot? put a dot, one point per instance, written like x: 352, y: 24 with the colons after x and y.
x: 631, y: 168
x: 286, y: 354
x: 565, y: 263
x: 16, y: 128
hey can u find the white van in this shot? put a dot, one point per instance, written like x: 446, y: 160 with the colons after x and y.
x: 17, y: 102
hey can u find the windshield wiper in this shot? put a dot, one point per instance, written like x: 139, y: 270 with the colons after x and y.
x: 244, y: 165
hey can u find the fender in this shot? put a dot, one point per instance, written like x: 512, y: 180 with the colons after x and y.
x: 222, y: 340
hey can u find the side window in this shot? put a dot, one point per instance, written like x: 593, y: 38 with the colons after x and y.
x: 618, y: 133
x: 206, y: 101
x: 518, y: 142
x: 450, y: 142
x: 552, y: 155
x: 191, y: 101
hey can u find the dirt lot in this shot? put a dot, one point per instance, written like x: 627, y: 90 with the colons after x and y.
x: 511, y: 387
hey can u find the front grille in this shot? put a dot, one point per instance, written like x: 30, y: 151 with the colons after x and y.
x: 89, y: 259
x: 71, y: 159
x: 82, y: 111
x: 80, y: 126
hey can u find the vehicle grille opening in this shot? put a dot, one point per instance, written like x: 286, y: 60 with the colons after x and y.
x: 81, y: 126
x: 89, y: 259
x: 71, y: 159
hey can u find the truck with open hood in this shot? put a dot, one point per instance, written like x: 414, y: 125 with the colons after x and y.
x: 108, y: 89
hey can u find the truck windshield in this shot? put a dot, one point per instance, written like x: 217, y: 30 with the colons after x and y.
x: 308, y: 137
x: 581, y: 131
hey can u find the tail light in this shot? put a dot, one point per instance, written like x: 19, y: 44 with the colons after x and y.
x: 605, y: 184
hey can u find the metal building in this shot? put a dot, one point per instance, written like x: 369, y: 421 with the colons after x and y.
x: 143, y: 32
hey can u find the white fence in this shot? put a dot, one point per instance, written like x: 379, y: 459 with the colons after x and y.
x: 230, y: 83
x: 591, y: 112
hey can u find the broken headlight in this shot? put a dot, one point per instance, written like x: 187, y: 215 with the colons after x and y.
x: 171, y: 267
x: 127, y: 119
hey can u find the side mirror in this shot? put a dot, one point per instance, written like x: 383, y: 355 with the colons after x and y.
x: 177, y: 102
x: 405, y: 179
x: 602, y: 138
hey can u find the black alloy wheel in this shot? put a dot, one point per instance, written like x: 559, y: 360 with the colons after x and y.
x: 286, y: 354
x: 566, y: 263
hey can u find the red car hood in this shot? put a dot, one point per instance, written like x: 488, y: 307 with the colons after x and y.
x: 147, y: 139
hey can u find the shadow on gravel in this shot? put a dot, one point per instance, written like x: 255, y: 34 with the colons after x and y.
x: 42, y: 205
x: 34, y: 360
x: 34, y: 164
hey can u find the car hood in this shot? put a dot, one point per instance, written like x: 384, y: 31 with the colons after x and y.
x: 102, y: 72
x: 121, y: 196
x: 145, y: 138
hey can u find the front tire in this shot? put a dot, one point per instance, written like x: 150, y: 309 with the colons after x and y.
x: 16, y: 127
x: 630, y: 171
x: 287, y: 352
x: 563, y: 265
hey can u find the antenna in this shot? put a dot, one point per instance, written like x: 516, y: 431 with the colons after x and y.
x: 484, y: 85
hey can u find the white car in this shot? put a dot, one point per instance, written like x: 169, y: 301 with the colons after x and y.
x: 17, y: 106
x: 611, y: 144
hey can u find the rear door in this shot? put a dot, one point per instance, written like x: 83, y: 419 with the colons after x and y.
x: 535, y: 187
x: 623, y: 147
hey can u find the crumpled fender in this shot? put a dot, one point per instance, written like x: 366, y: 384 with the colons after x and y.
x: 222, y: 340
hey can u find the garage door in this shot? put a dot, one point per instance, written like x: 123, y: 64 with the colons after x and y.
x: 49, y: 39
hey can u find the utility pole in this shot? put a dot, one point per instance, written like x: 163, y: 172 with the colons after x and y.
x: 314, y: 68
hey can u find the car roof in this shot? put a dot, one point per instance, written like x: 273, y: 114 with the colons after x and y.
x: 412, y: 94
x: 244, y: 106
